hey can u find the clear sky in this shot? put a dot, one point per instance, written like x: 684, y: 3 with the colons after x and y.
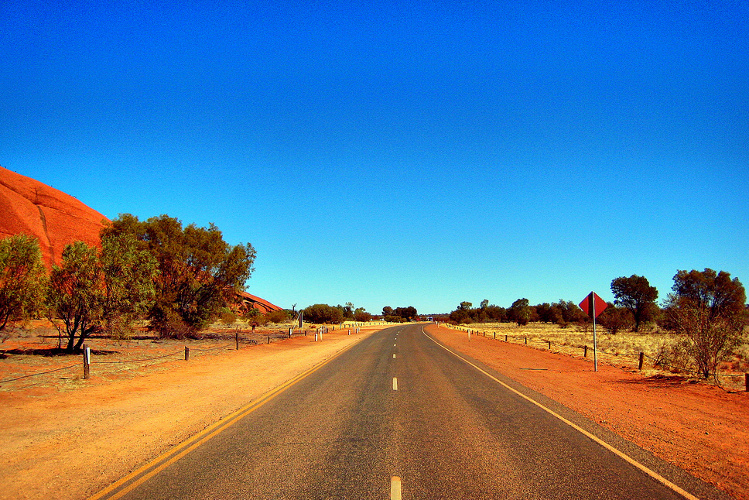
x: 412, y: 153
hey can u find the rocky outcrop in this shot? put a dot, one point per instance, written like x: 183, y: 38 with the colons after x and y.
x: 53, y: 217
x: 253, y: 302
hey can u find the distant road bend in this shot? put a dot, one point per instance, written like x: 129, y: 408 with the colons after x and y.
x: 400, y: 416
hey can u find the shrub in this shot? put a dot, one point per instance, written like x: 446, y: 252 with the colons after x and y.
x: 277, y: 316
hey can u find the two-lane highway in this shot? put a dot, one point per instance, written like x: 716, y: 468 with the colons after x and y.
x: 397, y: 415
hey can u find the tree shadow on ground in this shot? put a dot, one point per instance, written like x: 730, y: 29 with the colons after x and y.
x: 51, y: 352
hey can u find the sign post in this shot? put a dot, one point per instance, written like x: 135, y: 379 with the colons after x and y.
x: 593, y: 305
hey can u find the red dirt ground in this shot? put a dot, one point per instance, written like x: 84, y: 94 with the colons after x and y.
x: 700, y: 428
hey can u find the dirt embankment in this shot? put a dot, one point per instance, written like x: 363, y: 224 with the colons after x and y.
x: 700, y: 428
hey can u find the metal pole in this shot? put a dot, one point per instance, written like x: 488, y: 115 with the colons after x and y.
x: 595, y: 339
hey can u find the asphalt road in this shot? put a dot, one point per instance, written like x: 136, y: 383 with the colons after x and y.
x: 397, y: 414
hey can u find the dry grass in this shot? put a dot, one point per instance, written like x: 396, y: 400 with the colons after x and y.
x: 622, y: 349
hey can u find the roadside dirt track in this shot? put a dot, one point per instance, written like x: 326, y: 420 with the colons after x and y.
x: 73, y: 443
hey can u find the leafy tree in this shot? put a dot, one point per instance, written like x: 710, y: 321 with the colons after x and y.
x: 387, y: 311
x: 348, y: 310
x: 361, y: 315
x: 407, y: 313
x: 199, y: 273
x: 616, y: 319
x: 520, y: 311
x: 128, y: 274
x: 465, y: 313
x: 76, y: 294
x: 708, y: 308
x: 23, y: 278
x: 460, y: 316
x: 278, y: 316
x: 636, y: 294
x: 323, y: 313
x: 88, y: 292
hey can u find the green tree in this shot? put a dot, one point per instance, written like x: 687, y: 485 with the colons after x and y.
x: 76, y: 294
x: 361, y: 315
x: 636, y: 294
x: 89, y: 292
x: 348, y: 310
x: 323, y: 313
x: 708, y: 308
x: 616, y: 319
x: 199, y: 273
x: 520, y: 311
x: 129, y: 290
x: 23, y: 279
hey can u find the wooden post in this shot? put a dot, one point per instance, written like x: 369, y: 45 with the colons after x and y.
x: 236, y: 337
x: 642, y: 358
x: 86, y: 361
x: 526, y: 340
x: 585, y: 352
x: 549, y: 341
x: 187, y: 353
x: 505, y: 338
x: 495, y: 335
x: 746, y: 381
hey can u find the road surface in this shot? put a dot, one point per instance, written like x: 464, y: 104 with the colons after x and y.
x: 400, y: 416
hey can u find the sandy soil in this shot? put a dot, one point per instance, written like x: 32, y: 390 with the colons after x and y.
x: 701, y: 428
x: 65, y: 437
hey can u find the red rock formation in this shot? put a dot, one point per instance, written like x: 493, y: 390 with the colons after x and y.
x: 262, y: 305
x: 53, y: 217
x: 57, y: 219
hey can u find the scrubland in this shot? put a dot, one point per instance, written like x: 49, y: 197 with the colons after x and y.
x: 663, y: 351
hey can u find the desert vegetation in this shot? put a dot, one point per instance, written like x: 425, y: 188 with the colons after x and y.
x: 700, y: 329
x: 178, y: 278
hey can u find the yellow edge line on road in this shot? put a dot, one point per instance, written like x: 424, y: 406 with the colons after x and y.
x: 587, y: 434
x: 138, y: 477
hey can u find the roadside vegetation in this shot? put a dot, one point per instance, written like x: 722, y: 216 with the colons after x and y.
x: 177, y: 280
x: 700, y: 329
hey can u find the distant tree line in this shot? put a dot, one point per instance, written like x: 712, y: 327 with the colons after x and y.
x: 707, y: 308
x: 324, y: 313
x: 179, y: 278
x: 399, y: 314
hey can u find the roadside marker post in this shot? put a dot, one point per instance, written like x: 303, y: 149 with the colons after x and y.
x: 593, y: 305
x: 86, y: 361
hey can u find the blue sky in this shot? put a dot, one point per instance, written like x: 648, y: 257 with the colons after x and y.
x: 416, y: 153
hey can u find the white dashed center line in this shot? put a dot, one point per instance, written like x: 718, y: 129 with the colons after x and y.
x: 395, y: 383
x: 395, y: 488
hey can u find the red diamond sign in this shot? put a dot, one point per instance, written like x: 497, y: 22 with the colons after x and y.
x: 593, y: 305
